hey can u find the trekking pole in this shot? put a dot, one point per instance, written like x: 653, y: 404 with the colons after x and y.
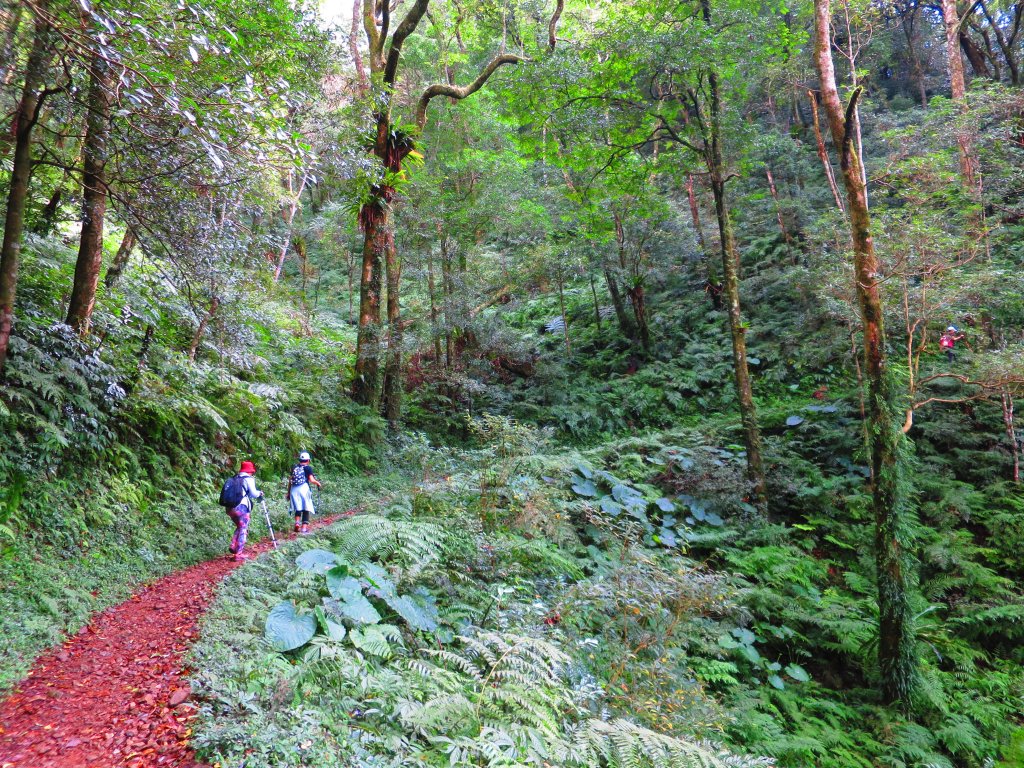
x: 319, y: 503
x: 266, y: 516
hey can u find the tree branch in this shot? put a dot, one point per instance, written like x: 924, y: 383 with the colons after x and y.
x: 406, y: 28
x: 553, y: 24
x: 455, y: 92
x: 848, y: 122
x: 373, y: 38
x: 357, y: 56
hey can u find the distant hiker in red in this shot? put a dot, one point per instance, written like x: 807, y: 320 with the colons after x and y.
x: 948, y: 340
x: 237, y: 497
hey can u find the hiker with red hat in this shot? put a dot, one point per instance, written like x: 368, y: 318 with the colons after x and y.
x: 237, y: 497
x: 948, y: 340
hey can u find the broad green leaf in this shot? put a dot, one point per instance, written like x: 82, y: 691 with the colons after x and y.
x: 585, y: 488
x: 798, y: 673
x: 343, y: 588
x: 286, y: 630
x: 316, y: 560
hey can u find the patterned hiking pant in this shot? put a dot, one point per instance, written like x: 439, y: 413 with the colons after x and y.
x: 240, y: 517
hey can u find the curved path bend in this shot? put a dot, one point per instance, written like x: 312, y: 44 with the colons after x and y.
x: 115, y: 694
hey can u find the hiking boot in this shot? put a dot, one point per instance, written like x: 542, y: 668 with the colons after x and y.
x: 297, y: 527
x: 305, y: 529
x: 240, y: 557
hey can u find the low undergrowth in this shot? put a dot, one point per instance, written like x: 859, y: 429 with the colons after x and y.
x: 620, y: 606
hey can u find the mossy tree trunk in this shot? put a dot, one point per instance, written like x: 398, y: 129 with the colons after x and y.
x: 897, y: 658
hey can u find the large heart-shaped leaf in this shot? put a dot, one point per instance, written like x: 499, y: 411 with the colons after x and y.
x: 360, y: 610
x: 415, y: 615
x: 343, y: 587
x: 286, y: 630
x: 610, y: 507
x: 585, y: 488
x: 666, y: 537
x: 798, y: 673
x: 316, y: 560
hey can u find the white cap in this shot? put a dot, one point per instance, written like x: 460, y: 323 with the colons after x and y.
x: 952, y: 328
x: 303, y: 456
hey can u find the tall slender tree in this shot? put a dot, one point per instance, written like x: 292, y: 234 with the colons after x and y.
x: 897, y: 658
x: 25, y: 119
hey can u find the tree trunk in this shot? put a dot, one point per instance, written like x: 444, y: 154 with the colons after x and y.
x: 788, y: 238
x: 709, y: 263
x: 897, y: 659
x: 958, y: 88
x: 94, y: 198
x: 908, y: 22
x: 1007, y: 403
x: 638, y: 301
x: 597, y: 305
x: 737, y: 330
x: 974, y: 55
x: 120, y: 262
x: 731, y: 280
x: 625, y: 325
x: 197, y: 337
x: 393, y: 360
x: 448, y: 290
x: 432, y: 289
x: 25, y: 120
x: 565, y: 317
x: 44, y: 226
x: 823, y: 154
x: 8, y: 57
x: 379, y: 237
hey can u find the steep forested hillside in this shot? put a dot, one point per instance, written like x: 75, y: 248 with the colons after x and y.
x: 669, y: 352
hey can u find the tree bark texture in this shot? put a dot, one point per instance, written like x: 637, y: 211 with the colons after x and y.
x: 958, y: 89
x: 26, y: 116
x: 94, y: 198
x: 897, y: 658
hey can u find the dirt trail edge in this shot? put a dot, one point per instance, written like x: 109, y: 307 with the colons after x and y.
x: 115, y: 694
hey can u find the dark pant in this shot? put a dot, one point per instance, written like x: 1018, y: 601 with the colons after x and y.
x: 950, y: 355
x: 304, y: 516
x: 240, y: 517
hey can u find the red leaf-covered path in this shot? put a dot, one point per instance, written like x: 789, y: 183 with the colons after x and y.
x: 115, y: 694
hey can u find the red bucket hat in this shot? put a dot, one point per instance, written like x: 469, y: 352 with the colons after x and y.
x: 248, y: 466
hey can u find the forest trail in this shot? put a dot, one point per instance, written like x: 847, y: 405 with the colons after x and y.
x: 115, y: 694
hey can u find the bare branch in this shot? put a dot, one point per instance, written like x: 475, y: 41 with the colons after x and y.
x: 455, y: 92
